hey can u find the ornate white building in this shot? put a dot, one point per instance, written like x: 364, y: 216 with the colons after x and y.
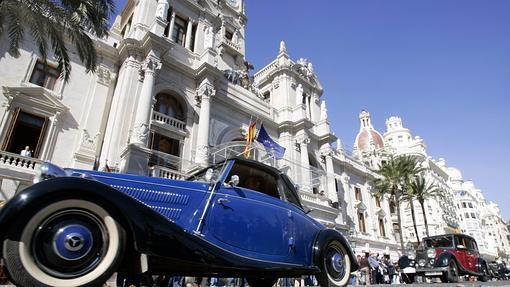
x: 480, y: 218
x: 173, y: 93
x: 463, y: 207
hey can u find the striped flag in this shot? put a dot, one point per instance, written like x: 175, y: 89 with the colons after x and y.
x: 250, y: 137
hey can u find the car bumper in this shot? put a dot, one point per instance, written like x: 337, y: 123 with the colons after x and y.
x: 431, y: 272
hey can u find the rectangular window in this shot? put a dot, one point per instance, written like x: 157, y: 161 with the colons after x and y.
x: 168, y: 20
x: 470, y: 205
x: 179, y: 32
x: 229, y: 35
x: 361, y: 222
x: 44, y: 77
x: 357, y: 193
x: 382, y: 231
x: 165, y: 145
x: 464, y: 205
x: 127, y: 27
x: 377, y: 201
x: 25, y: 130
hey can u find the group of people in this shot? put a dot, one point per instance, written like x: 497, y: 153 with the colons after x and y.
x: 141, y: 280
x: 375, y: 269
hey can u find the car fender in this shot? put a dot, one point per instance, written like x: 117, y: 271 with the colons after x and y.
x: 444, y: 259
x: 141, y: 223
x: 480, y: 263
x: 324, y: 237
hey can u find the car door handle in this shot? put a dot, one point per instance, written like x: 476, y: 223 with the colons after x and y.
x: 222, y: 201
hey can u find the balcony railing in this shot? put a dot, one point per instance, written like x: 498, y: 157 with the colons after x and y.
x: 12, y: 160
x: 159, y: 171
x: 168, y: 121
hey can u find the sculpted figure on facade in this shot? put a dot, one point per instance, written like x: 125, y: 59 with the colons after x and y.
x: 299, y: 94
x: 209, y: 38
x: 162, y: 9
x: 324, y: 111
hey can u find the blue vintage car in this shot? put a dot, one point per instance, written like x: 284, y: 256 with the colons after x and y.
x: 238, y: 218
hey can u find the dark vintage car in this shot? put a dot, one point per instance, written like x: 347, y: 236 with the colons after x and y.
x: 238, y: 218
x: 450, y: 256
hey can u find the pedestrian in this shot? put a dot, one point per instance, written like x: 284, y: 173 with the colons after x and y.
x: 364, y: 268
x: 26, y: 152
x: 374, y: 265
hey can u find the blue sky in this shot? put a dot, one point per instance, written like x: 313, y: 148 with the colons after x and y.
x: 441, y: 65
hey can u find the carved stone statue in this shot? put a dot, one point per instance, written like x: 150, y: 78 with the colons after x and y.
x: 324, y: 111
x: 299, y: 94
x: 162, y: 9
x: 209, y: 38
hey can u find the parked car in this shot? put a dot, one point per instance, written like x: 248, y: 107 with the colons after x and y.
x: 238, y: 218
x: 450, y: 256
x: 407, y: 267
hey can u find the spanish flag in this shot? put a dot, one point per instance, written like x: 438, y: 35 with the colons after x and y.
x: 250, y: 137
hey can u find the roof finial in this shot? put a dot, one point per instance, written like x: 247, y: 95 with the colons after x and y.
x: 283, y: 49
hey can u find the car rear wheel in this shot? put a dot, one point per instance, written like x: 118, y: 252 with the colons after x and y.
x: 336, y: 265
x: 485, y: 277
x: 452, y: 274
x: 66, y: 243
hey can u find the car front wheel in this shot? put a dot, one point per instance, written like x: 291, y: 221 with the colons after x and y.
x: 452, y: 274
x: 67, y: 243
x: 336, y: 265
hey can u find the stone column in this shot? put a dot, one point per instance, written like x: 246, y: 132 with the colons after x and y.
x: 204, y: 93
x: 332, y: 193
x: 172, y: 24
x: 305, y: 163
x: 342, y: 215
x: 140, y: 132
x: 189, y: 31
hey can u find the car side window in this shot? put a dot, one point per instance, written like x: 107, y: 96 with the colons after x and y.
x: 471, y: 244
x: 289, y: 195
x: 255, y: 179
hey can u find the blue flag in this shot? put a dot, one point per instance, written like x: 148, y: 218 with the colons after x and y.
x: 269, y: 143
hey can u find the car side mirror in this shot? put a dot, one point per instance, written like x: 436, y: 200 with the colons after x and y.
x: 460, y: 246
x: 234, y: 180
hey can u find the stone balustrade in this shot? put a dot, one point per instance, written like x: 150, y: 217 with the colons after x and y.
x: 12, y: 160
x: 168, y: 121
x: 159, y: 171
x: 314, y: 198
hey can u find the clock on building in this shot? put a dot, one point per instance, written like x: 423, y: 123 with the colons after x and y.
x: 233, y: 3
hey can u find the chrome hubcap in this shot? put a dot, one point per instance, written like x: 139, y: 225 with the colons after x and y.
x: 69, y: 243
x: 337, y: 263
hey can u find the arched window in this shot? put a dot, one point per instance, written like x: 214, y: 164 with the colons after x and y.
x: 170, y: 106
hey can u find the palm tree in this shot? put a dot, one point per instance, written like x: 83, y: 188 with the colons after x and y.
x: 421, y: 191
x: 409, y: 197
x: 396, y: 173
x: 51, y: 23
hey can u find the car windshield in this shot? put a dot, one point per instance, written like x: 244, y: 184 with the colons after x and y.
x: 208, y: 174
x: 439, y: 242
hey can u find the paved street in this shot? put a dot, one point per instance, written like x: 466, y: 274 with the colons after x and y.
x: 462, y: 284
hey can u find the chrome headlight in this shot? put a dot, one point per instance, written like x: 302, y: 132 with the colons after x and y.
x: 411, y: 254
x: 47, y: 171
x: 421, y: 262
x: 431, y: 253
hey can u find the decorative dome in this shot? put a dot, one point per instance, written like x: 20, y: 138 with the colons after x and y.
x: 455, y: 174
x: 368, y: 138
